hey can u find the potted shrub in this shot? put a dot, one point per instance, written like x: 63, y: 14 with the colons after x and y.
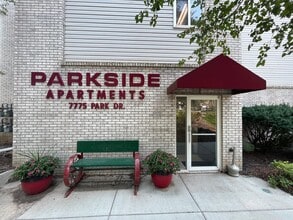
x: 161, y: 165
x: 36, y: 174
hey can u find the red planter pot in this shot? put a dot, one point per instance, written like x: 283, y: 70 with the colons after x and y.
x: 33, y: 187
x: 161, y: 181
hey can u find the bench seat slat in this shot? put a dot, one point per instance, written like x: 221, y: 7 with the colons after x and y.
x: 104, y: 162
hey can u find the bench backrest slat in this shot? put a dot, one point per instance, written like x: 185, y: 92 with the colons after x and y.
x: 107, y: 146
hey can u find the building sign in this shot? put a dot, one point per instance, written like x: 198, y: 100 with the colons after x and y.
x: 97, y: 87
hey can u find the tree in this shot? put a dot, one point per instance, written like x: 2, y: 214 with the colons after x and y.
x: 3, y: 6
x: 227, y: 18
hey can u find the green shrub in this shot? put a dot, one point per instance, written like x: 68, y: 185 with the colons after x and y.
x: 283, y: 175
x: 248, y: 147
x: 268, y: 127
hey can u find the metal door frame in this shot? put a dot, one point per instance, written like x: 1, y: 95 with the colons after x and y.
x: 189, y: 135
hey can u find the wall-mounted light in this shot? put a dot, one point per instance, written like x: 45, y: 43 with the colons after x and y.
x: 180, y: 106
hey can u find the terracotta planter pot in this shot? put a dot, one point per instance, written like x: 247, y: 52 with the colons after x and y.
x: 33, y: 187
x: 161, y: 181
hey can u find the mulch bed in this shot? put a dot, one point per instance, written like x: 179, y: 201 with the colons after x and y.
x: 258, y: 164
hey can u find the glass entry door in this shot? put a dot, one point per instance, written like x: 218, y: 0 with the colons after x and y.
x: 202, y: 128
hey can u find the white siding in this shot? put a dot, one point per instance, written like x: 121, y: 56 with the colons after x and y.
x: 105, y: 31
x: 277, y: 71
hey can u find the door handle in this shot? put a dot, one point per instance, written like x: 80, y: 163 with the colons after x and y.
x: 189, y: 133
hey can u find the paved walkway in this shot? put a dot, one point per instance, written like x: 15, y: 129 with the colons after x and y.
x: 191, y: 196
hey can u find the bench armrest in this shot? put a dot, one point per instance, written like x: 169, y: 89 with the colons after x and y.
x: 136, y: 155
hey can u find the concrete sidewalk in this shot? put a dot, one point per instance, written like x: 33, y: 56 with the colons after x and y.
x: 191, y: 196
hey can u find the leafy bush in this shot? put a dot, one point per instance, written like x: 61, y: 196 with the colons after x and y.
x: 268, y: 127
x: 37, y: 166
x: 161, y: 162
x: 283, y: 177
x: 248, y: 147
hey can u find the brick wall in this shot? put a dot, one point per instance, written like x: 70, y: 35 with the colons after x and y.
x: 44, y: 124
x: 6, y: 56
x: 39, y: 46
x: 231, y: 130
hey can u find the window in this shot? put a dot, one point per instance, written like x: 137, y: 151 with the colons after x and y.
x: 185, y: 13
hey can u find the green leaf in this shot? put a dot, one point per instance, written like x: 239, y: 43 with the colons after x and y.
x: 227, y: 19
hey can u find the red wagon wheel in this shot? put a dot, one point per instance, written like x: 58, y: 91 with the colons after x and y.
x: 72, y: 175
x: 137, y: 167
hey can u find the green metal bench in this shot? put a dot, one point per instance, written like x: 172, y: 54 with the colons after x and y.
x: 77, y: 163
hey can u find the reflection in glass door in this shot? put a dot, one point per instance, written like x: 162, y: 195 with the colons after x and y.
x: 181, y: 129
x: 197, y: 128
x: 203, y: 132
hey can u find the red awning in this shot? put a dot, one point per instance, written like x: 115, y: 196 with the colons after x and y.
x: 220, y: 73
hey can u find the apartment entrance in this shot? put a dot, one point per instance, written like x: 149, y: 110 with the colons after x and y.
x: 197, y: 127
